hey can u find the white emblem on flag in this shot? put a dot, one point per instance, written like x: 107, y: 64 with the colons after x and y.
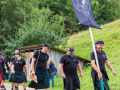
x: 84, y: 6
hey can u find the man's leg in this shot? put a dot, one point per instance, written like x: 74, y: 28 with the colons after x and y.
x: 2, y: 83
x: 47, y: 89
x: 24, y: 85
x: 69, y: 83
x: 16, y: 86
x: 76, y: 83
x: 12, y: 85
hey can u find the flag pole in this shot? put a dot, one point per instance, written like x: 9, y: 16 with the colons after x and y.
x: 94, y: 49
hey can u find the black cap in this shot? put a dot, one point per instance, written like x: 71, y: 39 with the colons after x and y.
x: 3, y: 54
x: 17, y: 53
x: 99, y: 42
x: 71, y: 49
x: 46, y: 45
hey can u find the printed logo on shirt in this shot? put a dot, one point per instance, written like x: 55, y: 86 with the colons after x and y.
x: 74, y: 60
x: 46, y: 58
x: 104, y: 56
x: 18, y: 62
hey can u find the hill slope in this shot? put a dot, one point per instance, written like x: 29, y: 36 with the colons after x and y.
x: 81, y: 41
x: 110, y: 34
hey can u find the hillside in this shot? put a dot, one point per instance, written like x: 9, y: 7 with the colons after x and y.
x: 81, y: 41
x: 110, y: 33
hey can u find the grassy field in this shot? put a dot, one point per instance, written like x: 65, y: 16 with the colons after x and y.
x: 81, y: 41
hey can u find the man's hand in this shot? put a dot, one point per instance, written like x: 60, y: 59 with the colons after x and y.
x: 114, y: 73
x: 100, y: 75
x: 63, y: 76
x: 12, y: 71
x: 6, y: 71
x: 81, y: 75
x: 33, y: 73
x: 26, y: 74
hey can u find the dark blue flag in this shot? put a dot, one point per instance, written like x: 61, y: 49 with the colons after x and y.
x: 84, y: 13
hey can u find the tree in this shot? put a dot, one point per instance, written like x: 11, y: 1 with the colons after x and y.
x: 43, y: 27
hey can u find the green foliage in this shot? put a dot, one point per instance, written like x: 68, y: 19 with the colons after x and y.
x: 103, y: 10
x: 25, y: 24
x: 22, y: 17
x: 64, y: 8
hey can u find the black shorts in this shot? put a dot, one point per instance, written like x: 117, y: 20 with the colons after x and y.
x: 71, y: 83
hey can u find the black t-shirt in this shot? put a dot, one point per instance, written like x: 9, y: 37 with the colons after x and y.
x: 2, y: 64
x: 70, y: 64
x: 43, y: 58
x: 101, y: 59
x: 5, y: 61
x: 13, y: 58
x: 19, y: 64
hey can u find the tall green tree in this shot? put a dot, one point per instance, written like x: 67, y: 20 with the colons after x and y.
x: 103, y: 10
x: 38, y: 27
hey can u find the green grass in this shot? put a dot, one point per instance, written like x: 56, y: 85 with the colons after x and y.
x: 81, y: 41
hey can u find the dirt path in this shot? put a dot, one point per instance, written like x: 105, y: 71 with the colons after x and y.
x: 8, y: 87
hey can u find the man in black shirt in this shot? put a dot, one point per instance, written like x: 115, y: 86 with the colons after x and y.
x: 96, y: 73
x: 17, y: 70
x: 11, y: 78
x: 68, y: 68
x: 5, y: 73
x: 40, y: 68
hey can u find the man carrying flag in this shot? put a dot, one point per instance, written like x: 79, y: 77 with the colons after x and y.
x: 100, y: 74
x: 83, y: 11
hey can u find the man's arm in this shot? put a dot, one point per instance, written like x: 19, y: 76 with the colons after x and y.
x: 80, y: 69
x: 13, y: 69
x: 61, y: 70
x: 32, y: 64
x: 47, y: 65
x: 110, y: 67
x: 96, y: 69
x: 11, y: 65
x: 8, y: 64
x: 25, y: 69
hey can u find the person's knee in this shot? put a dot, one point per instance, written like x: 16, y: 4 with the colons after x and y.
x: 24, y: 83
x: 47, y: 88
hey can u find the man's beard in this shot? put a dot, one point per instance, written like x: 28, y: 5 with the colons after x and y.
x: 100, y: 49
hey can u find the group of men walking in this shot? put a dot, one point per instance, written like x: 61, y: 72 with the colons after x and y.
x: 16, y: 69
x: 68, y: 65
